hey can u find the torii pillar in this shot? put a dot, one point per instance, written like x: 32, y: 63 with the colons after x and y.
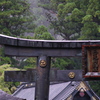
x: 42, y: 80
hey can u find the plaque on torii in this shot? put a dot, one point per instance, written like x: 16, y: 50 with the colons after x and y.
x: 44, y: 50
x: 91, y: 61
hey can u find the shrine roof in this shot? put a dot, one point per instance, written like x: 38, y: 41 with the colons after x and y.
x: 5, y: 96
x: 14, y: 41
x: 58, y: 91
x: 27, y: 92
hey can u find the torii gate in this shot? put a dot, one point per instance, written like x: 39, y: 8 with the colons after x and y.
x: 44, y: 50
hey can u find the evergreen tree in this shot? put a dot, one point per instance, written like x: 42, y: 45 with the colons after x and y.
x: 41, y: 32
x: 68, y: 22
x: 77, y: 19
x: 15, y: 17
x: 91, y: 21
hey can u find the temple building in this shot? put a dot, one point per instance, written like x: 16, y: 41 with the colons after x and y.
x: 59, y: 91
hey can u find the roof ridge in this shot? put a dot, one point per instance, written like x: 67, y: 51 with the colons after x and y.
x: 18, y: 90
x: 62, y: 91
x: 67, y: 87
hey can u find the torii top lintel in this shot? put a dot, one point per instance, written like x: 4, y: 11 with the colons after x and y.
x: 31, y: 47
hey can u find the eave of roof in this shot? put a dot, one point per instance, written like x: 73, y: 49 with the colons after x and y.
x: 58, y: 91
x: 5, y: 96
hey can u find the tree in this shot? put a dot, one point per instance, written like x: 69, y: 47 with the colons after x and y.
x: 30, y: 63
x: 41, y: 32
x: 15, y: 20
x: 77, y: 19
x: 15, y: 17
x: 91, y: 21
x: 68, y: 22
x: 8, y: 87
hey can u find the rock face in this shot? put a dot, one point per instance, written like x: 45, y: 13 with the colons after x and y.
x: 5, y: 96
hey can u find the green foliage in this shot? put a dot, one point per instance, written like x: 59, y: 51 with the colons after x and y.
x: 27, y: 37
x: 95, y: 86
x: 4, y: 86
x: 66, y: 63
x: 87, y: 18
x: 30, y: 63
x: 90, y: 31
x: 69, y: 17
x: 40, y: 30
x: 91, y: 21
x: 77, y: 17
x: 55, y: 3
x: 15, y: 17
x: 42, y: 33
x: 7, y: 86
x: 5, y: 60
x: 1, y: 51
x: 63, y: 63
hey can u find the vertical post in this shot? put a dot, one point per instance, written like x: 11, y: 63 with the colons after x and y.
x: 42, y: 81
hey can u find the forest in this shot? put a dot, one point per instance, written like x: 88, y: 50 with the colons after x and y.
x: 47, y: 20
